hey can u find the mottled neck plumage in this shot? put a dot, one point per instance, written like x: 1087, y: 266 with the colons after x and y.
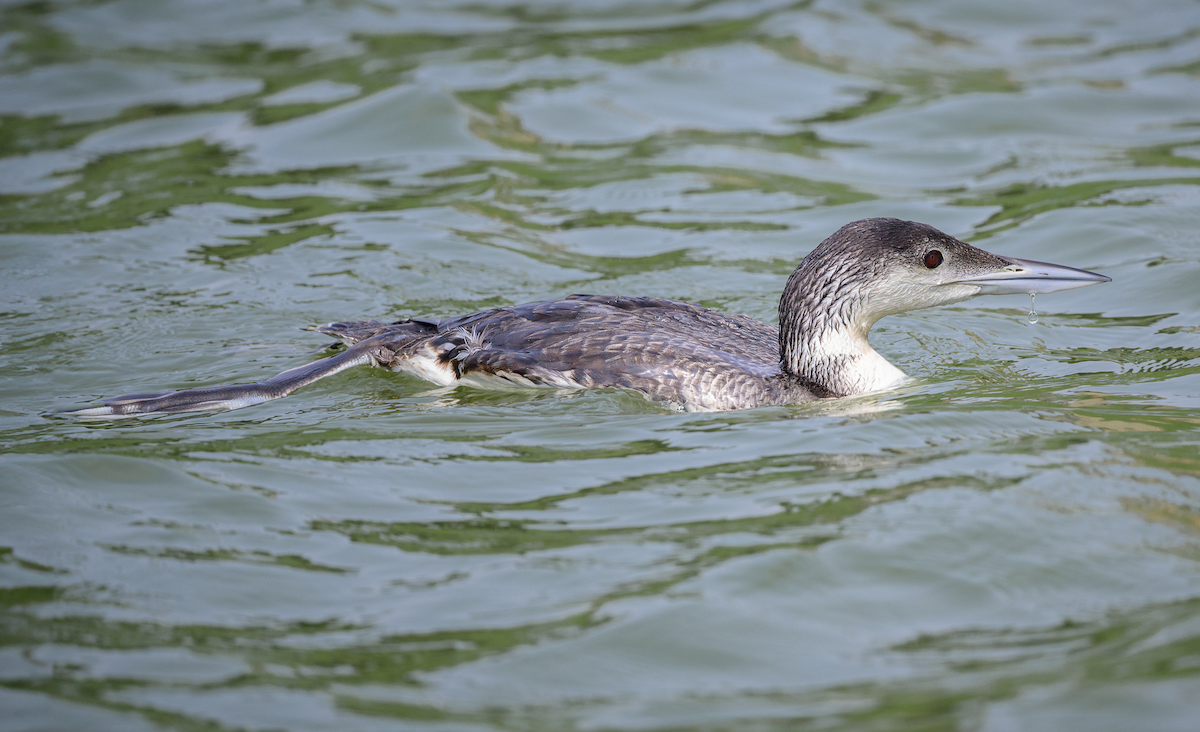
x: 824, y: 319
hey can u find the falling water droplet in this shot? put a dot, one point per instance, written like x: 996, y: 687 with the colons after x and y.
x: 1032, y: 309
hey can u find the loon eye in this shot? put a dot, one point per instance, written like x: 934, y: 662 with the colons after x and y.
x: 933, y: 258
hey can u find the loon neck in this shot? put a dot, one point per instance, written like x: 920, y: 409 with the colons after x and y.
x: 842, y: 361
x: 823, y: 331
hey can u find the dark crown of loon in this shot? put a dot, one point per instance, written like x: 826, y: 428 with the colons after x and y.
x: 674, y: 352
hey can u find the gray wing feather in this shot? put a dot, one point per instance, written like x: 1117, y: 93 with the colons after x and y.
x: 232, y: 396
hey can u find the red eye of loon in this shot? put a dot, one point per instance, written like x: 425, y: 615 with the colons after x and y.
x: 933, y: 258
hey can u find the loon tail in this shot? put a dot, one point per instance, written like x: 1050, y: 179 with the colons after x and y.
x: 233, y: 396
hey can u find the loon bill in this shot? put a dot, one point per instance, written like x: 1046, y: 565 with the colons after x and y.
x: 686, y: 355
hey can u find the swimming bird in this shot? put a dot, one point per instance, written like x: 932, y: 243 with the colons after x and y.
x: 685, y: 355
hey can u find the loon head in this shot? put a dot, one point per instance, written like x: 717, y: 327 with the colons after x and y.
x: 872, y: 268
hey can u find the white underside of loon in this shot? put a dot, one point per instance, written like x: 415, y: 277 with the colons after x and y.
x: 437, y: 364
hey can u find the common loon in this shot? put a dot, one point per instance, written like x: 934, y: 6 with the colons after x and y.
x: 686, y: 355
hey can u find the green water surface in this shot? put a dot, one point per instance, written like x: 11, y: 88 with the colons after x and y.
x: 1010, y: 542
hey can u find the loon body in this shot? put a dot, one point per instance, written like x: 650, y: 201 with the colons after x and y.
x: 674, y: 352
